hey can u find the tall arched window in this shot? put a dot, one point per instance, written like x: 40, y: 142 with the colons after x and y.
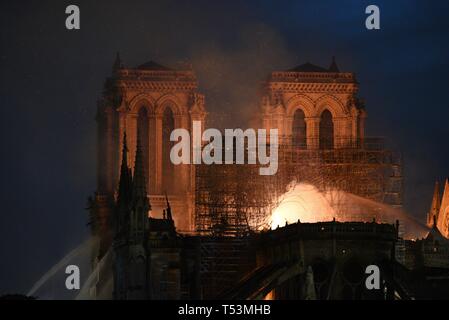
x: 299, y: 129
x: 326, y: 130
x: 142, y: 125
x: 168, y: 125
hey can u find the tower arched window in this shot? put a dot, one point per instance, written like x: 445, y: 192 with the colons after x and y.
x: 144, y: 136
x: 168, y: 125
x: 299, y: 129
x: 326, y: 130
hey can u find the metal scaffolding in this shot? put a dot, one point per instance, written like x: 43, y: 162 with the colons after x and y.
x: 233, y: 200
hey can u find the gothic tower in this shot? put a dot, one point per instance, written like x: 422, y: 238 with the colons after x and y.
x: 321, y: 127
x: 432, y: 215
x: 131, y: 231
x: 443, y: 215
x: 147, y: 102
x: 314, y: 107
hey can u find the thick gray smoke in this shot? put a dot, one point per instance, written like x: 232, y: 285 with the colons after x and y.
x: 232, y: 77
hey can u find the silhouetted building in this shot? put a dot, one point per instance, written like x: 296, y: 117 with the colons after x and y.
x: 150, y: 101
x: 145, y: 249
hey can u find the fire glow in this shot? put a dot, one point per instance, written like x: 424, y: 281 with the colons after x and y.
x: 303, y: 202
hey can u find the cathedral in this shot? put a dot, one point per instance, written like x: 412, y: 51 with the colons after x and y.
x: 317, y: 108
x: 195, y: 231
x: 439, y: 209
x: 150, y: 101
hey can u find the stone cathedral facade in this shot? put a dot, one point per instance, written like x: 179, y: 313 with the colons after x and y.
x: 145, y: 208
x: 150, y: 101
x: 314, y: 107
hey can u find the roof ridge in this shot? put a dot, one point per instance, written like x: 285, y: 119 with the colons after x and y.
x: 152, y: 65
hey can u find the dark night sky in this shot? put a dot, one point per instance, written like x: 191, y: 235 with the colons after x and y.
x: 51, y: 78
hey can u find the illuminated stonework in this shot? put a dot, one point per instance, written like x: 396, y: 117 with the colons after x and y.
x: 314, y: 107
x: 443, y: 216
x: 151, y: 100
x: 438, y: 215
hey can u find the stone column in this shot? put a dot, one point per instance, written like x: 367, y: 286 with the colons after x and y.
x: 152, y: 154
x: 158, y: 154
x: 342, y: 132
x: 131, y: 136
x: 194, y: 116
x: 288, y: 130
x: 266, y: 124
x: 361, y: 127
x: 277, y: 122
x: 180, y: 174
x: 313, y: 132
x: 121, y: 131
x: 354, y: 134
